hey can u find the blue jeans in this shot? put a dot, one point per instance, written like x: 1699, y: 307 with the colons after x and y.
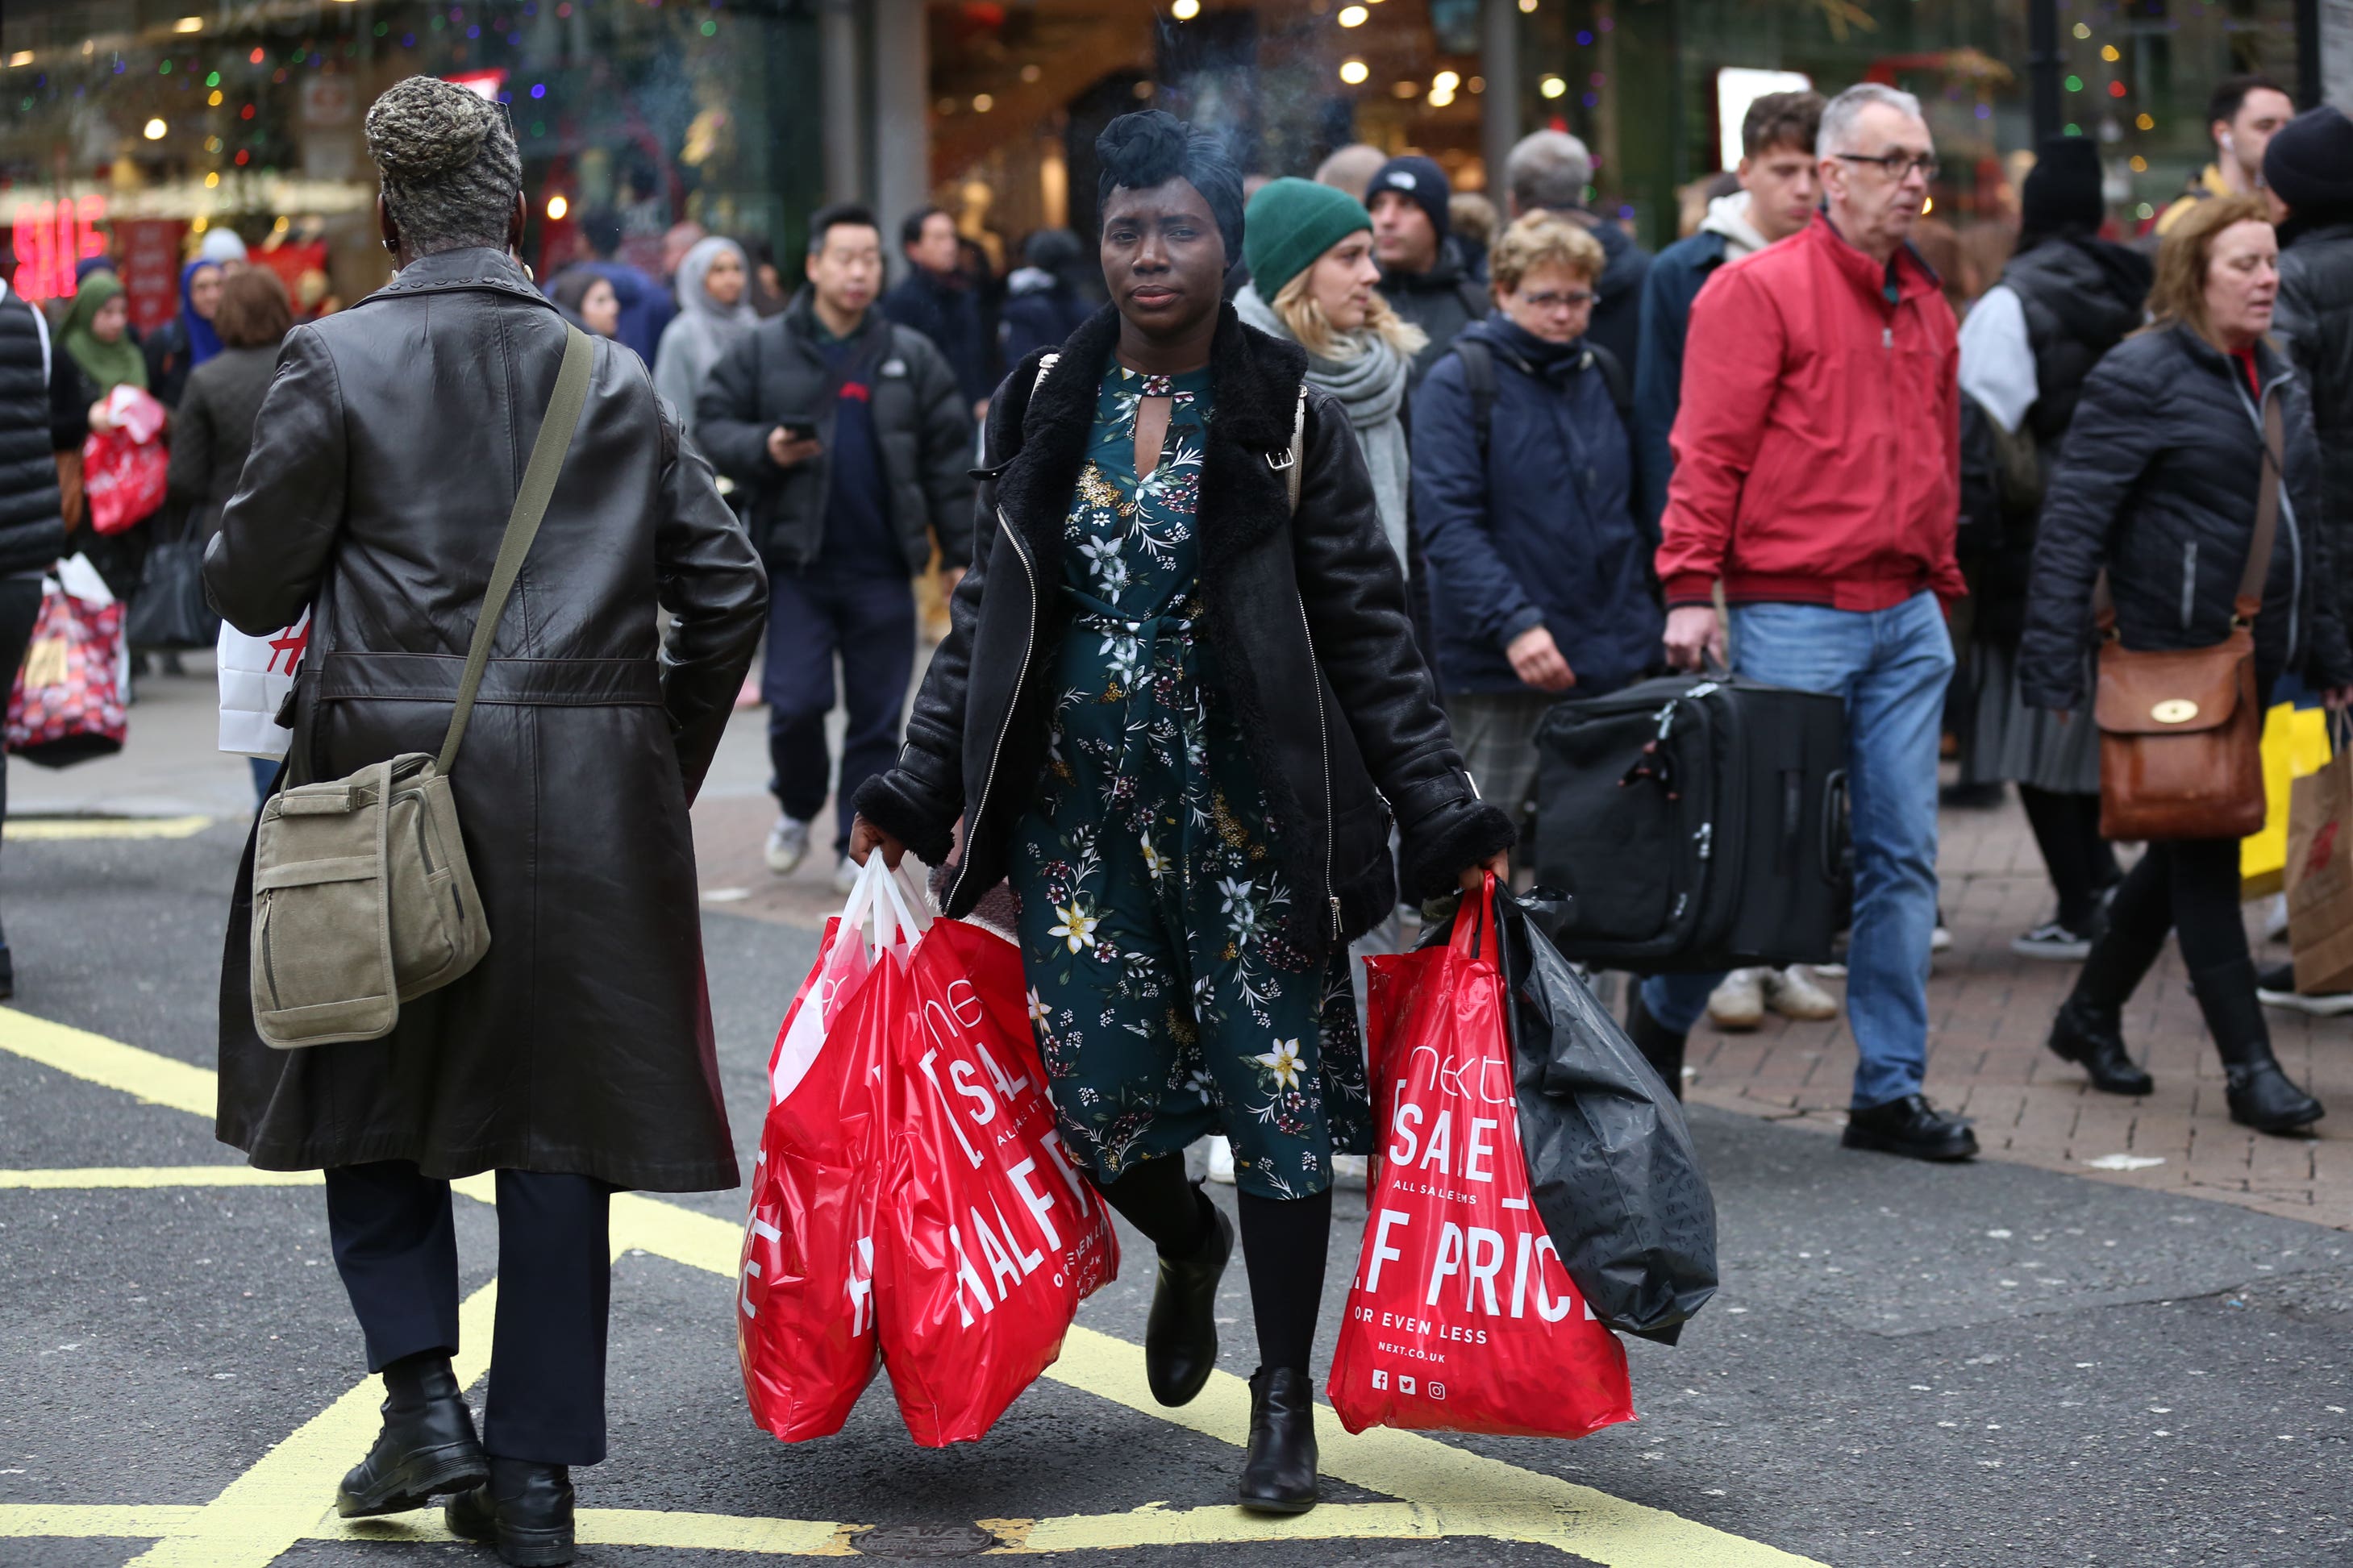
x: 1891, y: 667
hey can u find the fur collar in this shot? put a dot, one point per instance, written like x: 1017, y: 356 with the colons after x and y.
x: 1254, y: 381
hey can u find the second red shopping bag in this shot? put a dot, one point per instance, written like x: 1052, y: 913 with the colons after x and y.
x: 989, y: 1238
x: 1460, y: 1318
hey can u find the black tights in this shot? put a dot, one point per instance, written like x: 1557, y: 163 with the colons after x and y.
x: 1283, y: 1244
x: 2190, y: 887
x: 2081, y: 864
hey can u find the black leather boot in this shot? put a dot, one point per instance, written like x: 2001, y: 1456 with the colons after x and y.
x: 1180, y: 1337
x: 524, y: 1509
x: 427, y: 1449
x: 1279, y: 1476
x: 2260, y: 1095
x: 1661, y: 1046
x: 2092, y: 1037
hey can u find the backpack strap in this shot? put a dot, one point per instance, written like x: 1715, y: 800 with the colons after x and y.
x: 523, y: 524
x: 1479, y: 381
x: 1613, y: 376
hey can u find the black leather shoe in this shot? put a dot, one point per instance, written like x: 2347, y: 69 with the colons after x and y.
x: 2262, y: 1097
x: 1912, y: 1127
x: 1180, y: 1337
x: 524, y: 1509
x: 2092, y: 1038
x: 1279, y: 1476
x: 1661, y: 1046
x: 427, y: 1449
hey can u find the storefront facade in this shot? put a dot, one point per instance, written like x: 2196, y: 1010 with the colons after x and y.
x: 136, y: 125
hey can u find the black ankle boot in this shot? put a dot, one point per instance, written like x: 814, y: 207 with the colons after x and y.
x: 1661, y: 1046
x: 2092, y: 1037
x: 524, y: 1509
x: 1279, y: 1476
x: 1180, y: 1337
x: 2260, y: 1095
x: 427, y: 1449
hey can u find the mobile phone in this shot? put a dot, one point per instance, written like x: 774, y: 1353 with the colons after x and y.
x: 798, y: 430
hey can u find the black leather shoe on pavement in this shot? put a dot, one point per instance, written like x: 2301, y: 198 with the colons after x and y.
x: 2092, y: 1038
x: 2262, y: 1097
x: 1279, y: 1476
x: 524, y: 1509
x: 1180, y: 1337
x: 427, y: 1449
x: 1912, y: 1127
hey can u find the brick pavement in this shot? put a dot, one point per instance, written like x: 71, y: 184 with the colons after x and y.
x: 1989, y: 1010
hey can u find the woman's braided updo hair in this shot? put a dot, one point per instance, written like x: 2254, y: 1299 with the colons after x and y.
x: 450, y: 166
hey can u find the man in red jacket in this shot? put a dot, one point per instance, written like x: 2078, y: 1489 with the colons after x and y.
x: 1817, y: 478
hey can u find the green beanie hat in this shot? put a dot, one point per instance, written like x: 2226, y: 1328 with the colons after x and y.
x: 1290, y: 223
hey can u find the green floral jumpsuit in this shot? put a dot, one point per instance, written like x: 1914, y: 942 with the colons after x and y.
x: 1167, y: 1002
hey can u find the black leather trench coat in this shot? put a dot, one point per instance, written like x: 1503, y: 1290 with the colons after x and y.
x: 1306, y: 613
x: 384, y: 460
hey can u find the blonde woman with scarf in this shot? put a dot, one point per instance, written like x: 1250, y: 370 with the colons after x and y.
x: 1314, y: 281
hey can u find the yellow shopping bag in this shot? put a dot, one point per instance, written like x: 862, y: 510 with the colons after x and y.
x: 2295, y: 742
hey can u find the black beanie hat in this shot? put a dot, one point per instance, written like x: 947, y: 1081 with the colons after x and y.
x: 1419, y: 180
x: 2309, y: 164
x: 2063, y: 189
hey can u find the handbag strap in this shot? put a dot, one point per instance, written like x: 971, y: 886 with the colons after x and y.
x: 523, y: 524
x: 2250, y: 599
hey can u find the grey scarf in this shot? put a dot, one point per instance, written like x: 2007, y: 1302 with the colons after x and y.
x: 1371, y: 388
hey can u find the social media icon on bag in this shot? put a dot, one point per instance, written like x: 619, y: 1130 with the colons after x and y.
x: 1380, y: 1379
x: 1437, y: 1391
x: 1405, y: 1383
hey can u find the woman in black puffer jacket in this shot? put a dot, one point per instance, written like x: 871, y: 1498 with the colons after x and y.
x: 2158, y: 484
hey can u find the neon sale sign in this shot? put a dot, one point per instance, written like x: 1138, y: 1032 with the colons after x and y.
x: 50, y: 237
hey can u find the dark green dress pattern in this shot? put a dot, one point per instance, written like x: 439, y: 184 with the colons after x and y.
x: 1168, y: 1003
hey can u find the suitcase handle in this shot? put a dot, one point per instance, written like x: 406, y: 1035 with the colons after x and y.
x: 1833, y: 823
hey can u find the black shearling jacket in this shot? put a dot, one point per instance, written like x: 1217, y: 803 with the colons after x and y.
x: 1306, y: 613
x: 2158, y: 482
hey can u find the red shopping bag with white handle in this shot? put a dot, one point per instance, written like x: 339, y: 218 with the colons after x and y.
x: 989, y: 1237
x: 805, y: 1304
x: 1461, y: 1318
x: 125, y: 469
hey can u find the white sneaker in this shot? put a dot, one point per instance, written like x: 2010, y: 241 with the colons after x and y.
x: 1794, y: 995
x: 1738, y: 1002
x: 844, y: 876
x: 2275, y: 918
x: 788, y: 843
x: 1221, y: 1160
x: 1941, y: 940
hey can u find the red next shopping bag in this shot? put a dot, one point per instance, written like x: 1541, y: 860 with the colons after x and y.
x: 1461, y: 1318
x: 989, y: 1238
x: 804, y: 1319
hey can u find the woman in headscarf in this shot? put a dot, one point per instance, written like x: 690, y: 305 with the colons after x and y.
x: 715, y: 311
x: 100, y: 351
x: 188, y: 339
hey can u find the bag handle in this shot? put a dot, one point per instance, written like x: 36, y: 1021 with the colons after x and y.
x: 2250, y: 599
x: 531, y: 500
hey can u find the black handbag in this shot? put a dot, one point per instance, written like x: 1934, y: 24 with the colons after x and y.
x: 170, y: 611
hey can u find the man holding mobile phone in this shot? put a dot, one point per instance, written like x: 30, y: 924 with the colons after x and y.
x: 852, y: 443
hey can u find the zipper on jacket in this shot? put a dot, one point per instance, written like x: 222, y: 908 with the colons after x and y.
x: 1324, y: 735
x: 2189, y: 580
x: 1028, y: 644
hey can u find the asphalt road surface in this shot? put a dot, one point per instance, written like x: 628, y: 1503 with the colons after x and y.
x: 1981, y: 1365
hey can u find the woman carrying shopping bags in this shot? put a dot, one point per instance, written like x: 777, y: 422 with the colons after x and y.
x: 1180, y: 685
x: 2161, y: 485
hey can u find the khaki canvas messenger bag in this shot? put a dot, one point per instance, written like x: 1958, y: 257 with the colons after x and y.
x: 362, y: 895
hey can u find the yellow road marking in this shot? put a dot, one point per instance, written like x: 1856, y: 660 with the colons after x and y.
x: 633, y: 1527
x: 1450, y: 1491
x: 160, y: 1177
x: 157, y: 1079
x: 26, y: 829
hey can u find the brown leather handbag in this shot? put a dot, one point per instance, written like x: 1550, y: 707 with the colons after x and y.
x: 2181, y: 733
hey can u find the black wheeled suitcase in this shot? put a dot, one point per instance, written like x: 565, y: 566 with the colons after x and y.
x: 1695, y: 823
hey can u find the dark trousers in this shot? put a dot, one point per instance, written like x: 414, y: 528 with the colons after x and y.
x: 2187, y: 886
x: 869, y: 621
x: 20, y: 606
x: 398, y: 1252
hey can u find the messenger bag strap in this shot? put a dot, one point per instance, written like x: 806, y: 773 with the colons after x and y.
x: 2249, y: 600
x: 523, y: 524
